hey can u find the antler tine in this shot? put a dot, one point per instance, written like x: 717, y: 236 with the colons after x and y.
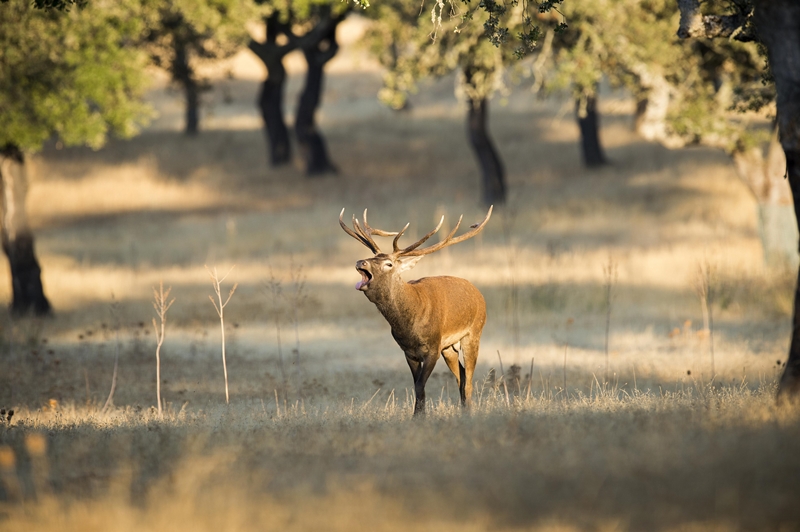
x: 373, y: 231
x: 365, y: 235
x: 399, y: 234
x: 449, y: 240
x: 422, y: 240
x: 367, y: 242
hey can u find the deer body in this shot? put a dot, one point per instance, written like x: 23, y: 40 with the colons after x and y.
x: 428, y: 317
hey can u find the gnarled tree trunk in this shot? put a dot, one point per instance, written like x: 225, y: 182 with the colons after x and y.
x: 778, y: 26
x: 270, y: 100
x: 492, y: 171
x: 17, y: 239
x: 310, y: 142
x: 589, y: 124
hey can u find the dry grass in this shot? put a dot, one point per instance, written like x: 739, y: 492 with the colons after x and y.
x: 328, y: 443
x: 721, y: 459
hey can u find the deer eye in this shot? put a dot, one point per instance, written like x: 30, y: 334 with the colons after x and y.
x: 387, y: 266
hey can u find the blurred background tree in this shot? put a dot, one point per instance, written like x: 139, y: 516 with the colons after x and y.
x: 309, y: 26
x: 473, y: 38
x: 700, y: 92
x: 183, y: 35
x: 74, y: 76
x: 775, y: 25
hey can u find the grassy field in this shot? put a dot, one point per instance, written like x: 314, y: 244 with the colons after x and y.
x: 567, y: 435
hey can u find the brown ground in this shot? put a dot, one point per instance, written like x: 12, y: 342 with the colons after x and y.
x: 323, y: 440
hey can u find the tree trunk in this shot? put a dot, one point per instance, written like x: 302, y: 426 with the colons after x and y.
x: 653, y: 106
x: 778, y: 26
x: 589, y: 124
x: 494, y: 186
x: 310, y: 142
x: 17, y: 239
x: 763, y: 171
x: 183, y: 74
x: 270, y: 100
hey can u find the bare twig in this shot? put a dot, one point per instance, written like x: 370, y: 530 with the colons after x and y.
x: 161, y: 306
x: 219, y: 306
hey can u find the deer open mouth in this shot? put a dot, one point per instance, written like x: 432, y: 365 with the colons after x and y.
x: 366, y: 277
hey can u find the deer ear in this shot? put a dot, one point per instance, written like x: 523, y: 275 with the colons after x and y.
x: 406, y: 263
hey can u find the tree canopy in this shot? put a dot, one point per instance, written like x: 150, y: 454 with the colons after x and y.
x: 71, y: 74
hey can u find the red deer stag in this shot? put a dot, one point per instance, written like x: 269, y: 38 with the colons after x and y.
x: 428, y: 316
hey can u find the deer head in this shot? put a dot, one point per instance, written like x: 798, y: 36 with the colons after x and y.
x: 379, y: 272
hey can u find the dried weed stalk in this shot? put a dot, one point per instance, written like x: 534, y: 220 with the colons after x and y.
x: 219, y: 306
x: 161, y: 306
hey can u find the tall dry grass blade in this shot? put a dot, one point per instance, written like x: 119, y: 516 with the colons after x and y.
x: 114, y: 310
x: 371, y: 398
x: 530, y: 382
x: 610, y: 276
x: 503, y: 378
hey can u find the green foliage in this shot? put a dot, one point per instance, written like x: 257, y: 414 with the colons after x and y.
x: 70, y: 74
x: 474, y: 38
x: 61, y: 5
x: 303, y: 12
x: 204, y: 30
x: 633, y: 43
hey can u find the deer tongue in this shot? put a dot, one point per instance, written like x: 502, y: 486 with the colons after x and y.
x: 363, y: 282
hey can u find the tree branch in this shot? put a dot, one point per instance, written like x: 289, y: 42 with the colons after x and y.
x: 693, y: 24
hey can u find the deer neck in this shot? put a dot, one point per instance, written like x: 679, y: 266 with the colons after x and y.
x: 399, y: 304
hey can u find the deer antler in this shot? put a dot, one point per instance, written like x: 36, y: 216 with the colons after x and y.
x: 411, y: 250
x: 364, y: 235
x: 359, y: 233
x: 396, y: 234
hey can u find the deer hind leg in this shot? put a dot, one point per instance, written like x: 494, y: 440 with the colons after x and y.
x: 450, y: 356
x: 421, y: 369
x: 470, y: 346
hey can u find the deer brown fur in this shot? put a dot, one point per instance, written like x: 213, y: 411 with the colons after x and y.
x: 429, y: 316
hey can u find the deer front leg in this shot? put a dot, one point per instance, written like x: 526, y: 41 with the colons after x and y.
x: 421, y: 369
